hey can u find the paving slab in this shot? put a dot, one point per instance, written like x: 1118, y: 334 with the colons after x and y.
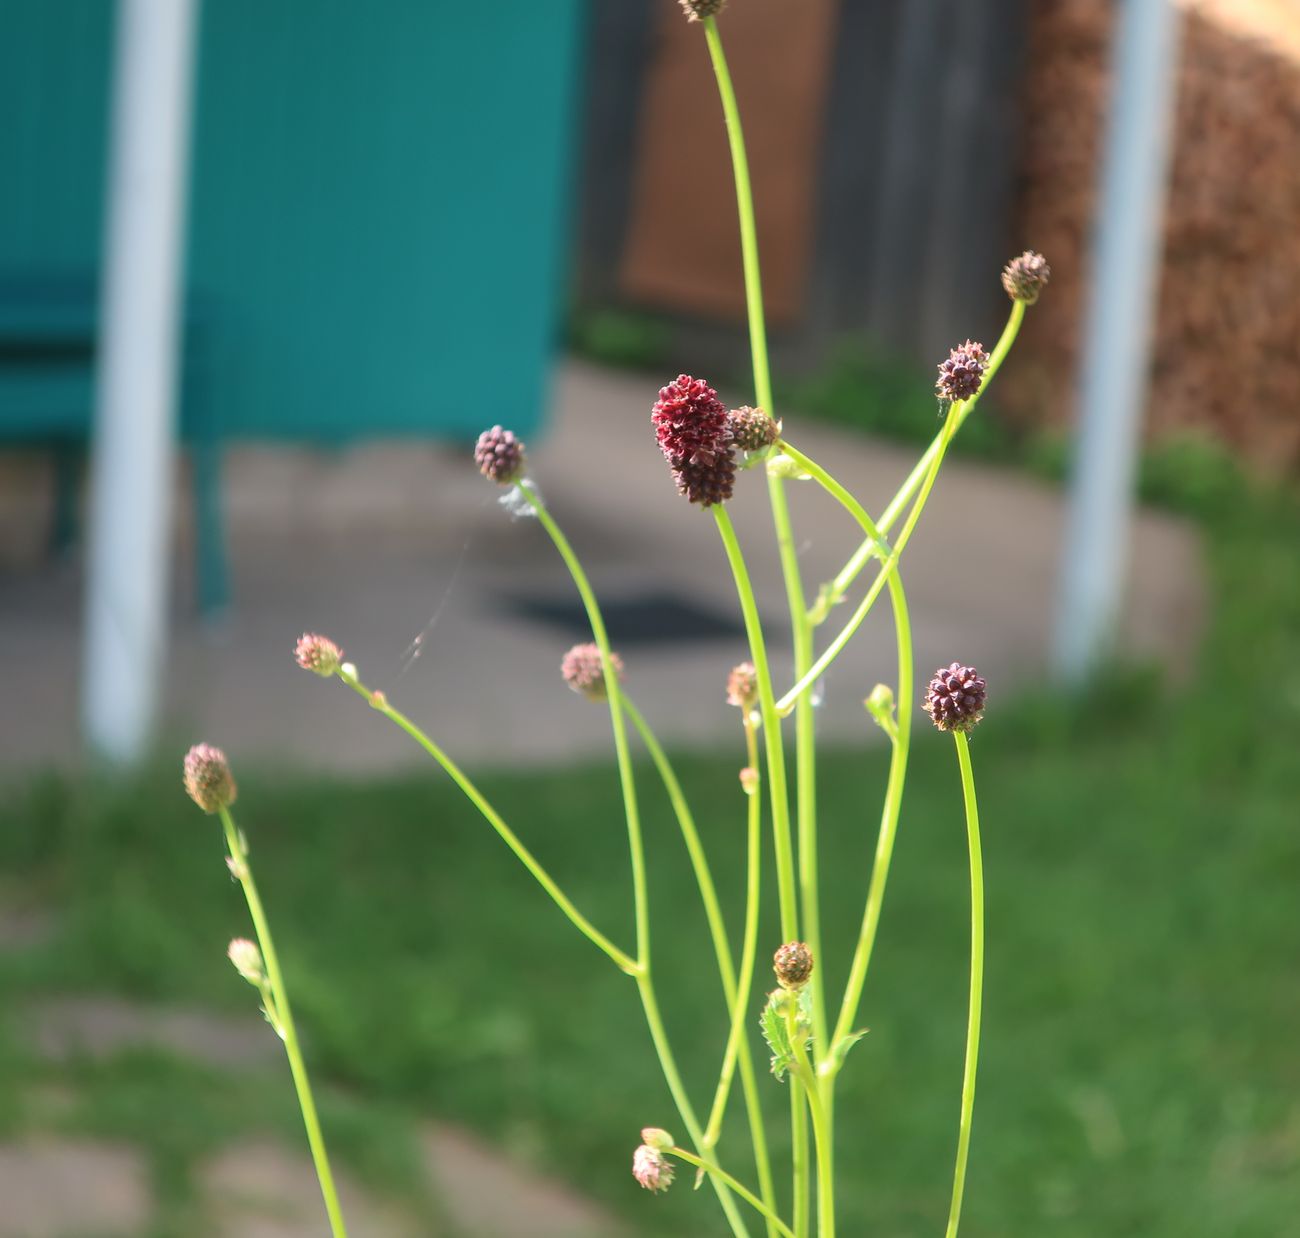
x: 461, y: 613
x: 72, y: 1188
x: 100, y: 1026
x: 259, y: 1189
x: 487, y: 1196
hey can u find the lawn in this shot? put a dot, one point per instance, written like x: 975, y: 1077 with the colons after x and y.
x: 1139, y: 1072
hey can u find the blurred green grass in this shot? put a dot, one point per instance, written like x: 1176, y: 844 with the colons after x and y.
x: 1139, y: 1072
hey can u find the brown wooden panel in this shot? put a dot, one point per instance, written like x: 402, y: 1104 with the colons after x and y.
x: 683, y: 249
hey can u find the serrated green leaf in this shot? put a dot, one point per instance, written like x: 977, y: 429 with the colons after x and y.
x: 776, y: 1034
x: 776, y: 1028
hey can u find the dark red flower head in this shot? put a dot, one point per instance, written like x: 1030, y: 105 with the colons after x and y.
x: 694, y: 434
x: 960, y: 374
x: 955, y: 697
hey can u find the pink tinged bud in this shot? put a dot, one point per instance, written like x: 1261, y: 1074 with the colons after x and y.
x: 657, y: 1137
x: 208, y: 780
x: 238, y: 869
x: 318, y: 654
x: 742, y: 686
x: 499, y: 455
x: 749, y: 779
x: 584, y: 670
x: 247, y: 959
x: 652, y: 1169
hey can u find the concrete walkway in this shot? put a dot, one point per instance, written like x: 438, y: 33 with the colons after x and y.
x: 381, y: 545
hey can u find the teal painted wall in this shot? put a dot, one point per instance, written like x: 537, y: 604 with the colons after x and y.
x: 377, y: 213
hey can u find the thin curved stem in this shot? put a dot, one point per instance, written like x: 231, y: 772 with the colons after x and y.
x: 743, y: 1191
x: 805, y: 769
x: 831, y: 593
x: 976, y: 980
x: 901, y: 742
x: 736, y: 990
x: 625, y: 776
x: 887, y: 569
x: 285, y: 1025
x: 636, y: 845
x: 821, y: 1124
x: 771, y: 726
x: 379, y: 702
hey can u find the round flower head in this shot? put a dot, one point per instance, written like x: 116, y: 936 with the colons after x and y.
x: 742, y: 686
x: 651, y: 1168
x: 499, y: 456
x: 318, y: 654
x: 955, y: 697
x: 698, y: 10
x: 752, y: 429
x: 247, y: 959
x: 584, y: 670
x: 960, y: 374
x: 1025, y: 277
x: 793, y: 964
x: 208, y: 780
x: 694, y: 434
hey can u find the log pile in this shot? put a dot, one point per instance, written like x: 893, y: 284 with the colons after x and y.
x: 1227, y: 349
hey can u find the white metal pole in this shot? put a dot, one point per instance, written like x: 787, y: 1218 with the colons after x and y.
x: 128, y: 539
x: 1114, y: 362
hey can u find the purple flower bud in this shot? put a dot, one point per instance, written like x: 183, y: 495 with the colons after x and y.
x: 652, y: 1169
x: 961, y: 373
x: 793, y: 964
x: 584, y: 670
x: 318, y: 654
x: 499, y: 456
x: 752, y: 429
x: 955, y: 697
x: 208, y: 780
x: 1025, y: 277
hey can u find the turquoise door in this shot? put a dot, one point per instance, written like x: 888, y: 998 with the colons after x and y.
x: 377, y: 213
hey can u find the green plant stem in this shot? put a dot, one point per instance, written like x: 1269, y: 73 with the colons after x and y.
x: 736, y: 989
x: 801, y: 628
x: 744, y: 1192
x: 901, y: 743
x: 780, y: 822
x: 806, y: 1076
x: 887, y: 571
x: 621, y: 959
x: 284, y: 1018
x: 831, y: 593
x: 636, y: 846
x: 976, y: 979
x: 615, y: 701
x: 771, y: 726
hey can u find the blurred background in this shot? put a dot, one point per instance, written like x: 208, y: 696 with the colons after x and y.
x: 266, y: 272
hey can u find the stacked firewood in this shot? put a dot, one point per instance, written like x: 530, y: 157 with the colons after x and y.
x: 1227, y: 346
